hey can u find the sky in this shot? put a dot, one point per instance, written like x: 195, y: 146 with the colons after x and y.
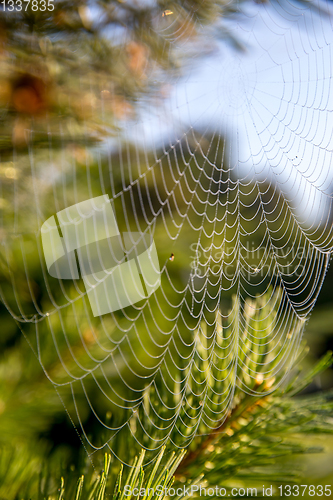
x: 273, y: 101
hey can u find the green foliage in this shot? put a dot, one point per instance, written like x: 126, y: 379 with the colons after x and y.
x: 153, y: 484
x: 261, y: 441
x: 256, y: 445
x: 80, y: 84
x: 74, y: 71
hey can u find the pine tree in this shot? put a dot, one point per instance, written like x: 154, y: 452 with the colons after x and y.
x: 69, y: 77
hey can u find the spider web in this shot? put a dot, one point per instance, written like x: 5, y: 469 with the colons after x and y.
x: 230, y: 177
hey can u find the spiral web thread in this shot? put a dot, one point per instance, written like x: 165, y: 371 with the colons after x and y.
x: 238, y: 204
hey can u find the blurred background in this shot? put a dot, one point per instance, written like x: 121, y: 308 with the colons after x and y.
x: 165, y: 106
